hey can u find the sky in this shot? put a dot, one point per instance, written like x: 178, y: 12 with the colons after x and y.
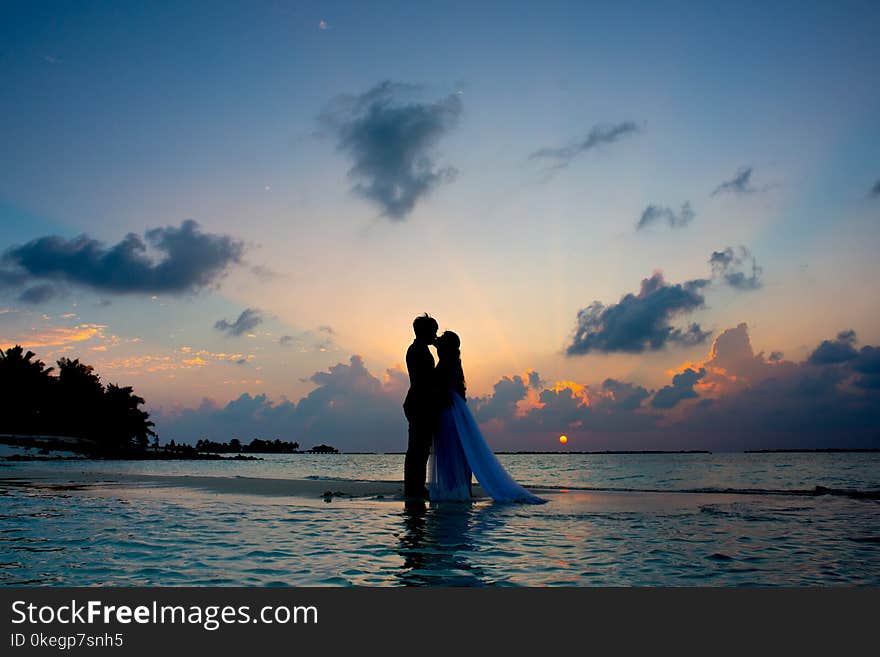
x: 653, y: 227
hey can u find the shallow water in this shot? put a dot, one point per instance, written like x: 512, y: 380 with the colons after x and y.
x: 666, y: 472
x: 141, y: 535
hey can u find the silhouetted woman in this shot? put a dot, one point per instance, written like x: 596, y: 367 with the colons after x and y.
x: 459, y: 448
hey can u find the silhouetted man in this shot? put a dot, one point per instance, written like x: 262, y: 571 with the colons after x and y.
x: 420, y: 406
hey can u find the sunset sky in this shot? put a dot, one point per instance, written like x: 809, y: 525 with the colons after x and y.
x: 239, y: 208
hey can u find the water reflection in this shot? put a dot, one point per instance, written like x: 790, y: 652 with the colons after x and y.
x: 437, y: 541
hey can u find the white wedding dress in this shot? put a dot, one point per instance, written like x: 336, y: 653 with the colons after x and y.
x: 459, y: 449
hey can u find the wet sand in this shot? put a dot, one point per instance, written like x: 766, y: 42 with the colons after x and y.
x: 326, y: 489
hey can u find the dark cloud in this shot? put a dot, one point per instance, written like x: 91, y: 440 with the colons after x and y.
x: 875, y: 190
x: 349, y: 408
x: 390, y: 141
x: 535, y: 380
x: 640, y: 322
x: 682, y: 388
x: 501, y: 404
x: 39, y: 293
x: 625, y: 396
x: 248, y: 320
x: 165, y: 260
x: 598, y: 136
x: 655, y: 213
x: 833, y: 352
x: 868, y: 366
x: 737, y: 267
x: 741, y: 183
x: 11, y: 278
x: 285, y: 340
x: 775, y: 356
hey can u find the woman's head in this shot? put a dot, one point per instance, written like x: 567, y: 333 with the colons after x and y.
x: 450, y: 361
x: 448, y: 345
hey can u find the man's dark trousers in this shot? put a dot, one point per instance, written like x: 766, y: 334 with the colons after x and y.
x: 415, y: 465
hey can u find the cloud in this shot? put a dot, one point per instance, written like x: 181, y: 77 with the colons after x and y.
x: 502, y: 403
x: 390, y: 141
x: 741, y: 183
x: 728, y: 266
x: 741, y: 401
x: 321, y: 339
x: 248, y: 320
x: 165, y: 260
x: 622, y: 395
x: 682, y: 388
x: 349, y: 408
x: 732, y: 363
x: 868, y: 366
x: 38, y: 294
x: 614, y: 406
x: 640, y: 322
x: 655, y: 213
x: 184, y: 358
x: 832, y: 352
x: 264, y: 273
x: 55, y: 337
x: 598, y: 136
x: 826, y: 401
x: 875, y: 190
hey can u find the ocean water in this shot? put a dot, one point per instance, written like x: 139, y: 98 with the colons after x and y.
x: 678, y: 520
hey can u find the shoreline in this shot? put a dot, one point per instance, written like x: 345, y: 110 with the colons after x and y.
x: 335, y: 488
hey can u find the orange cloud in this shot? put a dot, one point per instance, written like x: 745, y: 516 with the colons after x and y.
x: 531, y: 401
x: 58, y: 336
x: 732, y: 365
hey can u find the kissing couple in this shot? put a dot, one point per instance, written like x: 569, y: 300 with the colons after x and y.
x: 442, y: 427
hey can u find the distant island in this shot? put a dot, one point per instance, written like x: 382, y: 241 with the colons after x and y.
x: 73, y: 411
x: 258, y: 446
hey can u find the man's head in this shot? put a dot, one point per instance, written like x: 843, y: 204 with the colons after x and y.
x: 425, y: 328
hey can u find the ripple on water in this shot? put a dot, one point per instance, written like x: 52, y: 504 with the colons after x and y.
x: 167, y: 539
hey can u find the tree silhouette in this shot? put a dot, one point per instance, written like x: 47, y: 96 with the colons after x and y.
x: 79, y: 399
x: 122, y: 413
x: 24, y: 386
x: 75, y: 403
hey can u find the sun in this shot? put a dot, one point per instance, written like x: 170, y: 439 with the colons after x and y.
x: 563, y: 439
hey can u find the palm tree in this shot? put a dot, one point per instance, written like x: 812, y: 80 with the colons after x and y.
x: 127, y: 426
x: 80, y: 397
x: 25, y: 388
x: 75, y: 403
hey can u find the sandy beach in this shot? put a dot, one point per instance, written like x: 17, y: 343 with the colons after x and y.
x: 308, y: 490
